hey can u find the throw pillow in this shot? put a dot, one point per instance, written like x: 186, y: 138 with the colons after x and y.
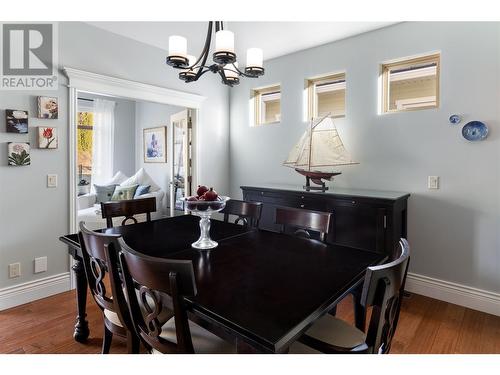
x: 141, y: 178
x: 141, y: 190
x: 124, y: 193
x: 117, y: 179
x: 104, y: 193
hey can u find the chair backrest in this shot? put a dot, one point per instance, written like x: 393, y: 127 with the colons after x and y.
x: 247, y: 212
x: 127, y: 208
x: 148, y: 283
x: 383, y: 290
x: 303, y: 221
x: 100, y: 260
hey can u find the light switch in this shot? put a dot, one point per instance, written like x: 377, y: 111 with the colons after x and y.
x: 433, y: 182
x: 14, y: 270
x: 40, y: 264
x: 51, y: 180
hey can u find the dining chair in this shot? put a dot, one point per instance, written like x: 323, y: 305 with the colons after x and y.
x: 302, y: 221
x: 150, y: 283
x: 127, y: 208
x: 247, y: 212
x: 100, y: 261
x: 383, y: 290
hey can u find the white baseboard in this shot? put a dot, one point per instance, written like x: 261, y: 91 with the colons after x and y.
x: 458, y: 294
x: 32, y: 290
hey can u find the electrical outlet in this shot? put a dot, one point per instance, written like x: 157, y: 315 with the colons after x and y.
x: 14, y: 270
x: 40, y: 264
x: 51, y: 180
x: 433, y: 182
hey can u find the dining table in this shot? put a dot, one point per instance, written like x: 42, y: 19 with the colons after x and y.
x: 263, y: 289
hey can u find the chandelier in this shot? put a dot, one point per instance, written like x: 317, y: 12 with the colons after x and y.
x: 224, y: 58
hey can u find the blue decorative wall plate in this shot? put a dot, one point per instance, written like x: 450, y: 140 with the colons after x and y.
x: 475, y: 131
x: 455, y: 119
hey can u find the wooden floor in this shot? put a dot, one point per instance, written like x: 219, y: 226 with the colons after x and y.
x: 426, y: 326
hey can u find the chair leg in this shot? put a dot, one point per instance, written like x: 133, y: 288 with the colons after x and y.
x: 132, y: 343
x: 106, y: 340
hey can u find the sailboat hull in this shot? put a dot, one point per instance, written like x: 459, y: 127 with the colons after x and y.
x: 317, y: 178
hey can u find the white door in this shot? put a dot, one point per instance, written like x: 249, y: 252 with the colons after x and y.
x: 181, y: 171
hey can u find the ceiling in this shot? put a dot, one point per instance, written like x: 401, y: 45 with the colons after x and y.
x: 275, y: 38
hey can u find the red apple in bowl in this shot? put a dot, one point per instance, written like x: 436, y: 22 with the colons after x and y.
x: 211, y: 195
x: 192, y: 206
x: 202, y: 189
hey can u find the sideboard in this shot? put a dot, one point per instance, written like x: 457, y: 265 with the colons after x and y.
x: 365, y: 219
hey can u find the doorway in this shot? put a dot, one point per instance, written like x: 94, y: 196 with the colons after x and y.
x: 182, y: 166
x: 91, y: 83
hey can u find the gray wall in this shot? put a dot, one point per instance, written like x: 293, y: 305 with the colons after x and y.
x: 124, y: 149
x: 32, y: 217
x: 151, y: 115
x: 454, y: 231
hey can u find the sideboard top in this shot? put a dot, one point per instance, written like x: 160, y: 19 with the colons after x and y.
x: 333, y: 191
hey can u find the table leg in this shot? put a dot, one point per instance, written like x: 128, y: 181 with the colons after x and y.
x: 82, y: 326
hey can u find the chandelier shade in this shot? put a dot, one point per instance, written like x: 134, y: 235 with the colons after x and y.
x: 224, y: 57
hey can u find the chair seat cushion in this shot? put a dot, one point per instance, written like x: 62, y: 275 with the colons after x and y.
x: 113, y: 317
x: 334, y: 331
x: 204, y: 342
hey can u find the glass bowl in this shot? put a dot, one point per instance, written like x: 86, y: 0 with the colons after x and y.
x: 205, y: 209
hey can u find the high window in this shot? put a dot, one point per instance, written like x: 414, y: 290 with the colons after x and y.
x: 267, y: 105
x: 411, y: 84
x: 326, y: 95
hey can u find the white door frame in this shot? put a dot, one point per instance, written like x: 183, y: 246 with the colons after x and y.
x: 80, y: 80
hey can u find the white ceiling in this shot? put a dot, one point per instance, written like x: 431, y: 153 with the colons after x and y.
x: 275, y: 38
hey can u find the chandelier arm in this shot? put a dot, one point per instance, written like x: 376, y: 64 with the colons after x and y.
x: 204, y: 52
x: 242, y: 73
x: 201, y: 72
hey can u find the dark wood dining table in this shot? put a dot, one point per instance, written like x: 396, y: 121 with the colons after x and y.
x: 262, y: 288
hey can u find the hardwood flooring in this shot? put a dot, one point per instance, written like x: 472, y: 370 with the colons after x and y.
x: 426, y: 326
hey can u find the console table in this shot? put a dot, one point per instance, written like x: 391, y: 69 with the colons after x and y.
x: 364, y: 219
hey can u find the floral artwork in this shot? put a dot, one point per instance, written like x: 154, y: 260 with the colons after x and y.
x: 17, y: 121
x: 155, y: 150
x: 19, y: 153
x: 47, y: 137
x: 48, y: 107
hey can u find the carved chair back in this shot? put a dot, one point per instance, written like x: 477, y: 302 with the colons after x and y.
x: 149, y: 282
x: 383, y: 290
x: 303, y: 221
x: 127, y: 208
x: 100, y: 260
x: 247, y: 212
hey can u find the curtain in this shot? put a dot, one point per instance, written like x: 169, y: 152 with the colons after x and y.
x: 103, y: 141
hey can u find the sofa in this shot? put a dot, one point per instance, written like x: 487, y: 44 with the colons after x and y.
x: 89, y: 210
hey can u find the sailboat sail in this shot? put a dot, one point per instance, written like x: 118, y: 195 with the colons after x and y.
x: 319, y: 149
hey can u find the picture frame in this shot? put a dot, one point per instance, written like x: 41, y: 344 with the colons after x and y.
x: 19, y: 154
x: 48, y: 107
x: 47, y: 137
x: 17, y: 121
x: 155, y: 144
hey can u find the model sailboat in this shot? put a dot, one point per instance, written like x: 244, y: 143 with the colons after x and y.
x: 318, y: 152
